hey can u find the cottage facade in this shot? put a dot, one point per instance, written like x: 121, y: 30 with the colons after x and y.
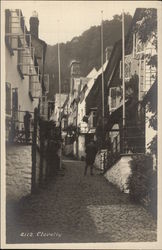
x: 140, y: 77
x: 24, y: 90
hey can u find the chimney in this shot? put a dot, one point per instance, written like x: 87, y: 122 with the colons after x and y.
x: 108, y: 52
x: 75, y: 68
x: 34, y: 24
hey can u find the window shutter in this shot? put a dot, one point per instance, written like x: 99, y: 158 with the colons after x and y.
x: 46, y: 82
x: 8, y: 98
x: 7, y: 21
x: 15, y: 99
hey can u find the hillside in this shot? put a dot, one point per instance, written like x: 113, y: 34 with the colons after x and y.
x: 85, y: 48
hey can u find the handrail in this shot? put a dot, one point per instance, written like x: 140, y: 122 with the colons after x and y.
x: 125, y: 145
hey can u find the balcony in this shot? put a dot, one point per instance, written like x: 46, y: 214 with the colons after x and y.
x: 129, y: 141
x: 16, y: 36
x: 131, y: 67
x: 16, y: 130
x: 140, y: 67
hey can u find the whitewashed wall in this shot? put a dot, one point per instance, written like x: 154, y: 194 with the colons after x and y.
x: 119, y: 173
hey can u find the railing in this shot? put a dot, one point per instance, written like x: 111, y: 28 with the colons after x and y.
x: 129, y: 141
x: 18, y: 128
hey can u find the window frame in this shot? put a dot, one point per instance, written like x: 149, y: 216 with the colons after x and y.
x: 111, y: 108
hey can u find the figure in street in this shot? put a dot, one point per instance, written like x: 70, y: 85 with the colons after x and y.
x: 90, y: 156
x: 27, y: 118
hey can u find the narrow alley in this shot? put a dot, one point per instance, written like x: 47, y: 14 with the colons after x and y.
x: 78, y: 208
x: 80, y: 88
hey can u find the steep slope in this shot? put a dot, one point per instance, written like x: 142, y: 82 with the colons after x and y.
x: 85, y: 48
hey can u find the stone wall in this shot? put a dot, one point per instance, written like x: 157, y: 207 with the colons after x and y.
x: 119, y: 173
x: 101, y: 159
x: 18, y: 171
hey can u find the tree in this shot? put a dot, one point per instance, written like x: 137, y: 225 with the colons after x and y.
x: 147, y: 31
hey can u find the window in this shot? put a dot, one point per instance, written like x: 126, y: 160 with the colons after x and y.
x: 114, y: 98
x: 8, y: 98
x: 138, y: 46
x: 13, y: 24
x: 74, y: 121
x: 8, y: 31
x: 147, y: 76
x: 92, y: 120
x: 34, y: 86
x: 131, y: 67
x: 127, y: 69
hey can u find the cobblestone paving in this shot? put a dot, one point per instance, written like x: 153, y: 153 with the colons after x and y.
x: 77, y: 208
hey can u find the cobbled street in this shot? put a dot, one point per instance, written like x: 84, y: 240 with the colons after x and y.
x: 77, y: 208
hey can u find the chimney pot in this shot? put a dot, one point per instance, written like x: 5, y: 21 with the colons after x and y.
x: 34, y: 24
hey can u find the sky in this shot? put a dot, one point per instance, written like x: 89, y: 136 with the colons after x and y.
x: 63, y: 20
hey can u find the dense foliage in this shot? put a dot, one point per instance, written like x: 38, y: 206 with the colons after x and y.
x: 143, y: 180
x: 85, y: 48
x: 147, y: 30
x: 142, y: 183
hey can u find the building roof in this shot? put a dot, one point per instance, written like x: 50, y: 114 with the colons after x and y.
x: 113, y: 65
x: 111, y: 69
x: 92, y: 97
x: 92, y: 73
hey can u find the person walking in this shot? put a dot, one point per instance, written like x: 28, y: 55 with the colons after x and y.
x: 90, y: 156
